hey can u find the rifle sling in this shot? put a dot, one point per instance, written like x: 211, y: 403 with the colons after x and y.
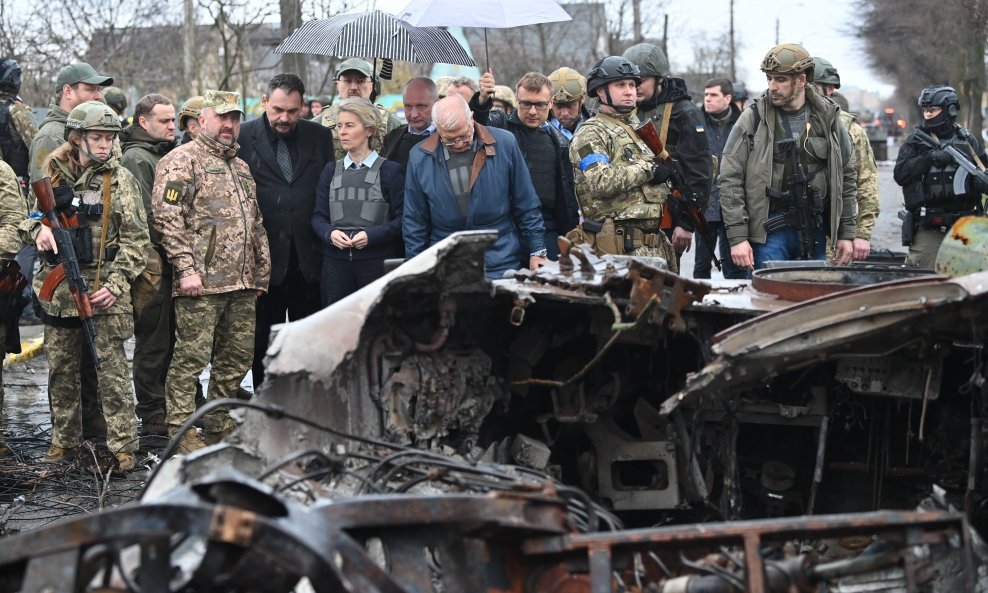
x: 102, y: 238
x: 664, y: 132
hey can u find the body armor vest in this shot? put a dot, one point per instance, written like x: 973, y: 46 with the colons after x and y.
x: 540, y: 156
x: 813, y: 152
x: 938, y: 183
x: 14, y: 152
x: 355, y: 197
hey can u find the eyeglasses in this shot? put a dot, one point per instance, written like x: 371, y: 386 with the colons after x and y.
x: 464, y: 139
x: 354, y: 81
x: 526, y: 105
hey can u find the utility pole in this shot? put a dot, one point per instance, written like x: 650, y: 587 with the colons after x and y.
x: 189, y: 51
x: 291, y: 19
x: 733, y: 73
x: 665, y: 35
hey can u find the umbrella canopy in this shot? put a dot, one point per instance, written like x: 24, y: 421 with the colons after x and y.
x: 492, y: 14
x: 375, y: 34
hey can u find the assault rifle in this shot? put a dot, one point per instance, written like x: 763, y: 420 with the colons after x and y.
x: 804, y: 204
x: 684, y: 202
x: 68, y: 269
x: 967, y: 168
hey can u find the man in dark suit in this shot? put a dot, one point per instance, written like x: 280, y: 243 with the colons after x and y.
x: 286, y: 155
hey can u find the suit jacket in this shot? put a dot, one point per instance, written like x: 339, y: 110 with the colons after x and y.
x: 288, y: 206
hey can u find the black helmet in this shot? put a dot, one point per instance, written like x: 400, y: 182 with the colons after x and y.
x: 740, y: 92
x: 10, y: 75
x: 942, y: 96
x: 610, y: 69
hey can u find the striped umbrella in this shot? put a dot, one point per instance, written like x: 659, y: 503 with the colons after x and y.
x: 375, y: 34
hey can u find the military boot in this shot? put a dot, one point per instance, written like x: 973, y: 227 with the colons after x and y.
x: 214, y: 437
x: 57, y: 454
x: 190, y: 441
x: 125, y: 460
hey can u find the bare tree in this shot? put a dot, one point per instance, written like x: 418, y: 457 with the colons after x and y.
x: 236, y: 23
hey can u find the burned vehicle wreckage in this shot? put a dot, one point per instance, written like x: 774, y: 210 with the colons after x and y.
x: 597, y: 425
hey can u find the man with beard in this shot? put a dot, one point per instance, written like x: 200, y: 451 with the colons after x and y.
x: 286, y: 154
x: 355, y: 78
x: 665, y: 101
x: 205, y: 207
x: 569, y: 96
x: 151, y: 137
x: 760, y: 228
x: 926, y: 175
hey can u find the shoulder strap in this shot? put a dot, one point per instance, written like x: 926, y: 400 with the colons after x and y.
x: 758, y: 117
x: 106, y: 217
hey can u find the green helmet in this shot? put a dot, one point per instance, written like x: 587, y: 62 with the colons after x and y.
x: 568, y: 85
x: 115, y: 97
x: 92, y: 116
x: 191, y: 108
x: 825, y: 73
x: 788, y: 58
x: 649, y: 58
x: 841, y: 101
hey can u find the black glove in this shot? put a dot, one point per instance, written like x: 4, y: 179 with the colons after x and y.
x: 661, y: 173
x: 941, y: 158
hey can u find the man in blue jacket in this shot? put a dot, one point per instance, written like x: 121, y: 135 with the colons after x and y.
x: 470, y: 177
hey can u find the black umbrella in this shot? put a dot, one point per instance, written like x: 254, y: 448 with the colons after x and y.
x: 375, y: 34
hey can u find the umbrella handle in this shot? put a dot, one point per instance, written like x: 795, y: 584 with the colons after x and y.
x: 487, y: 53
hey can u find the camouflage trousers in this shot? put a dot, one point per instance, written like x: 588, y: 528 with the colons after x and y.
x: 217, y: 328
x: 63, y: 347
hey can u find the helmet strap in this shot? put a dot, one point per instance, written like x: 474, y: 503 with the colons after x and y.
x: 610, y: 102
x: 88, y: 152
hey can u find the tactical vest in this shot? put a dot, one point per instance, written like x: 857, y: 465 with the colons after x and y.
x: 355, y: 198
x: 87, y: 206
x: 813, y: 150
x: 938, y: 183
x: 12, y: 148
x: 540, y: 156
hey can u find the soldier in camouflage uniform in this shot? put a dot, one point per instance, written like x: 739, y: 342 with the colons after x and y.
x: 75, y: 84
x: 13, y: 211
x: 827, y: 81
x: 569, y: 94
x: 205, y: 206
x: 355, y: 78
x: 618, y: 184
x: 188, y: 119
x: 16, y: 126
x: 112, y: 219
x: 117, y: 100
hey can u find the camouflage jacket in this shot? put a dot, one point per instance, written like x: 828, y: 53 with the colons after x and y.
x: 205, y: 207
x: 126, y: 233
x: 864, y: 164
x: 613, y: 170
x: 50, y: 136
x: 386, y: 123
x: 13, y: 212
x: 141, y: 154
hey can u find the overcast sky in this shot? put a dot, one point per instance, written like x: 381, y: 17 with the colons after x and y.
x: 824, y: 28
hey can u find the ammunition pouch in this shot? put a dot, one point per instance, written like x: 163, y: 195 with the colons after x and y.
x: 82, y: 240
x: 908, y: 227
x: 91, y: 211
x: 914, y: 196
x: 608, y: 237
x: 64, y: 195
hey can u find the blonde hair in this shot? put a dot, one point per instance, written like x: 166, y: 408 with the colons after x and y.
x: 367, y: 115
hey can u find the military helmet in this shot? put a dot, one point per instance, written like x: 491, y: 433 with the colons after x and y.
x: 568, y: 85
x: 610, y: 69
x: 825, y: 73
x: 191, y: 108
x: 841, y: 101
x: 740, y: 91
x: 942, y: 96
x: 649, y: 58
x: 92, y: 116
x: 787, y: 58
x: 10, y: 75
x: 115, y: 97
x: 505, y: 95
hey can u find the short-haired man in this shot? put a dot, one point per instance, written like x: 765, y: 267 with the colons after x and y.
x: 463, y: 86
x: 286, y: 155
x: 74, y: 85
x: 546, y: 153
x: 621, y: 189
x: 827, y: 81
x: 205, y: 206
x: 468, y: 176
x: 419, y: 96
x: 188, y: 118
x: 666, y: 101
x: 151, y: 137
x: 753, y: 168
x: 719, y: 115
x: 569, y: 97
x: 355, y: 78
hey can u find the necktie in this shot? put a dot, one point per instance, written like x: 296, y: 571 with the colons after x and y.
x: 284, y: 159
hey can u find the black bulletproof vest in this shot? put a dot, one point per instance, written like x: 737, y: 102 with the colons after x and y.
x: 938, y: 183
x: 540, y: 156
x: 15, y: 153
